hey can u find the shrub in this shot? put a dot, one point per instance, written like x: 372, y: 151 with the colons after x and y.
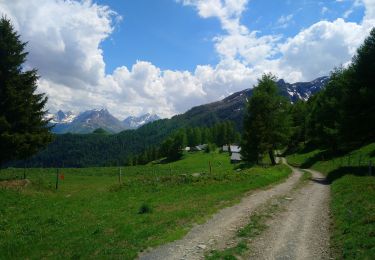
x: 144, y: 209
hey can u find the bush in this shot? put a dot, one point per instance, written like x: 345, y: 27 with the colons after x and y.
x: 144, y: 209
x: 210, y: 148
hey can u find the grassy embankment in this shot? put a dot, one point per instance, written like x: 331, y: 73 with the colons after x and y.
x: 353, y: 198
x: 92, y: 216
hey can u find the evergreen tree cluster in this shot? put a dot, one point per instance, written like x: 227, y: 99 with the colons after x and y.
x: 342, y: 115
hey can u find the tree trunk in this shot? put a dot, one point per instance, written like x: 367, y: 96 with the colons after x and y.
x: 272, y: 157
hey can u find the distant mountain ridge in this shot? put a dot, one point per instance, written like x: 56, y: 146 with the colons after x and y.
x: 230, y: 108
x: 88, y: 121
x: 108, y: 150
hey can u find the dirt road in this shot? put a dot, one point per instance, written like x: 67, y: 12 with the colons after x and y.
x: 221, y: 228
x: 300, y: 232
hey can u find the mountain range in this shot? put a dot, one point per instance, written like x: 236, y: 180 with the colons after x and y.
x: 86, y: 150
x: 88, y: 121
x: 230, y: 108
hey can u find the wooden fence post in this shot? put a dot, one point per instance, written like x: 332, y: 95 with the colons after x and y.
x: 370, y: 168
x: 57, y: 178
x: 209, y: 164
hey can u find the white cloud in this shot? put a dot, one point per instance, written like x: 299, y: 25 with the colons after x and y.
x: 324, y: 10
x: 283, y: 21
x: 370, y: 9
x: 64, y: 44
x: 313, y: 52
x: 316, y: 50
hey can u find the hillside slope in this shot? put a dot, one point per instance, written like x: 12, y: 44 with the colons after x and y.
x: 99, y: 150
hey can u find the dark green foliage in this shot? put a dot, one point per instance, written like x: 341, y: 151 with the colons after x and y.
x: 341, y: 116
x: 326, y: 113
x: 100, y: 131
x: 266, y: 122
x: 23, y: 131
x: 210, y: 148
x: 144, y: 209
x: 172, y: 148
x: 298, y: 112
x: 359, y: 105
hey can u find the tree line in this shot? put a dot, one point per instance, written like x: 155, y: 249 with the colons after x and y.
x: 339, y: 117
x: 172, y: 147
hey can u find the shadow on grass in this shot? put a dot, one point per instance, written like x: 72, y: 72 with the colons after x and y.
x: 321, y: 156
x: 342, y: 171
x: 170, y: 160
x: 247, y: 165
x: 322, y: 181
x: 300, y: 149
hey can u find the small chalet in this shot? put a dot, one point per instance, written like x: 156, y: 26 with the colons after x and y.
x: 234, y: 149
x: 235, y: 158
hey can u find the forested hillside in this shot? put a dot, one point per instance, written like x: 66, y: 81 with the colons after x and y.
x: 341, y: 117
x: 81, y: 150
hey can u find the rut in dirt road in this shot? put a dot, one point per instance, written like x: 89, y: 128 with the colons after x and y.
x: 218, y: 231
x: 302, y: 231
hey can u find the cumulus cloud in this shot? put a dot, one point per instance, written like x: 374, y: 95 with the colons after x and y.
x: 317, y: 49
x: 313, y: 52
x: 64, y: 44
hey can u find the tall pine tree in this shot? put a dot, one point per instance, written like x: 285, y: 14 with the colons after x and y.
x: 23, y: 131
x: 266, y: 121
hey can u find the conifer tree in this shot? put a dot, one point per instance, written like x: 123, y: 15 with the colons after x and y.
x: 359, y: 105
x: 266, y: 122
x: 23, y: 131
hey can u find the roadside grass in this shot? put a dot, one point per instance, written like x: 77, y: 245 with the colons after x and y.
x: 352, y: 198
x: 91, y: 215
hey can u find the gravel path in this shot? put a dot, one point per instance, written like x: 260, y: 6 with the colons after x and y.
x: 302, y: 231
x: 219, y: 231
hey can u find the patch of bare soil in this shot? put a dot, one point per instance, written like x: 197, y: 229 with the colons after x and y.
x: 14, y: 184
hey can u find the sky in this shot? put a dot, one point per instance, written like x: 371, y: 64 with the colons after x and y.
x: 141, y: 56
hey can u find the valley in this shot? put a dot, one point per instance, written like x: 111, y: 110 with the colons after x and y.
x: 187, y: 129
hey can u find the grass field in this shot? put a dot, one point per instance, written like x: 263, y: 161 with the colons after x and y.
x: 92, y: 216
x: 353, y: 198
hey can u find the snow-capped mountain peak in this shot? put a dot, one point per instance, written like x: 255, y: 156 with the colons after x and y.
x: 89, y: 120
x: 133, y: 122
x: 61, y: 117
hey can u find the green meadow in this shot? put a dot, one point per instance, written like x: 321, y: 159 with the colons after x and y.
x: 92, y: 215
x: 352, y: 197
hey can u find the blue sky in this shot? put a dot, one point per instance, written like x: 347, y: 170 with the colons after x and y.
x: 172, y: 36
x: 164, y: 32
x: 166, y: 56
